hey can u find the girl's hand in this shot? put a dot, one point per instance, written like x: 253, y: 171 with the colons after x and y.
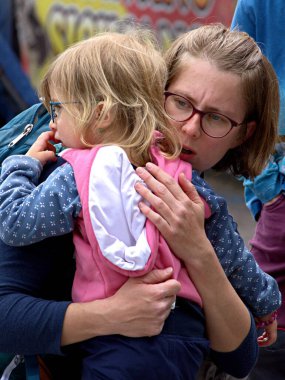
x: 42, y: 149
x: 269, y: 335
x: 177, y: 210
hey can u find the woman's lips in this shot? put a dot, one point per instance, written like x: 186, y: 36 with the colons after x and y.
x: 186, y: 154
x: 186, y: 151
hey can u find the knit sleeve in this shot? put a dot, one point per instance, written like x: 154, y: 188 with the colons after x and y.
x: 239, y: 363
x: 35, y: 291
x: 31, y: 212
x: 258, y: 290
x: 35, y: 288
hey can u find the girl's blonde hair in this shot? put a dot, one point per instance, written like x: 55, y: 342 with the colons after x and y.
x: 124, y: 74
x: 236, y: 52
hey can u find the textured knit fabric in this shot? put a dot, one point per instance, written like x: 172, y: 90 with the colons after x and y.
x: 264, y: 21
x: 19, y: 177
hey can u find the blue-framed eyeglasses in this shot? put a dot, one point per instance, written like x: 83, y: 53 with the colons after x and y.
x: 55, y: 108
x: 212, y: 124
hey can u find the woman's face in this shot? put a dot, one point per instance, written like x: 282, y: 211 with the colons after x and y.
x: 209, y: 90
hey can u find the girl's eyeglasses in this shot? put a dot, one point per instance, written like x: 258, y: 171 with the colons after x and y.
x: 55, y: 108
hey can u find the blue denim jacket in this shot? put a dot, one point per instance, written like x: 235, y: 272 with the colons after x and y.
x: 268, y: 184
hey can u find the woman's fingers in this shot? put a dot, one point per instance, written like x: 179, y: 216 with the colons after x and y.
x: 188, y: 188
x: 156, y: 193
x: 160, y: 222
x: 161, y: 183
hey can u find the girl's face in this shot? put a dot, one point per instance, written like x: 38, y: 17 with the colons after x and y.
x: 63, y: 125
x: 209, y: 90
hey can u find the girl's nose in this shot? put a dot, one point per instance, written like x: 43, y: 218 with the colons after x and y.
x: 52, y: 125
x: 192, y: 127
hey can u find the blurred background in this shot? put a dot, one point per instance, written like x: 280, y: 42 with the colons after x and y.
x: 33, y: 32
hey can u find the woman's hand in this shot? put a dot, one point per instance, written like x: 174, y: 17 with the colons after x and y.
x: 142, y: 304
x: 139, y: 308
x: 177, y: 210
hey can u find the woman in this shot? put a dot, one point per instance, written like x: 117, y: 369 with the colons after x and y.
x: 227, y: 319
x: 212, y: 70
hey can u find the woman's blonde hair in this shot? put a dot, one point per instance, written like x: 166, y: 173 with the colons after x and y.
x: 236, y: 52
x: 124, y: 74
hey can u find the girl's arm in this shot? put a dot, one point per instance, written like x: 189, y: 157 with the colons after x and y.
x: 179, y: 217
x: 237, y: 261
x: 31, y: 212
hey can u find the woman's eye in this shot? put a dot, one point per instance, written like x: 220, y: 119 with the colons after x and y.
x: 181, y: 103
x: 214, y: 116
x: 217, y: 120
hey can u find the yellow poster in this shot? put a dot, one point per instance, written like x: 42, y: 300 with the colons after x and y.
x: 47, y: 27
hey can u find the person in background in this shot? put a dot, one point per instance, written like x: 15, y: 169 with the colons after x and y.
x: 264, y: 195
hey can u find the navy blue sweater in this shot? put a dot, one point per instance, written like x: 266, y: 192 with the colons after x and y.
x: 35, y: 289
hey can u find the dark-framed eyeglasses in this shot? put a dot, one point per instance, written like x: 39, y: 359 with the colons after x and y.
x: 213, y: 124
x: 55, y: 108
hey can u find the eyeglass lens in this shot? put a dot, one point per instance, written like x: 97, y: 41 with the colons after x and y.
x: 180, y: 109
x: 54, y: 110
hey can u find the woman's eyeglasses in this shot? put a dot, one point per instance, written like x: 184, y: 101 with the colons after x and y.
x: 212, y: 124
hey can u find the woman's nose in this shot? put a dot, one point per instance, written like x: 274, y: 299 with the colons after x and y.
x: 192, y: 127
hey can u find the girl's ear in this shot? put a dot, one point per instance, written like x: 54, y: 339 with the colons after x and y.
x: 108, y: 117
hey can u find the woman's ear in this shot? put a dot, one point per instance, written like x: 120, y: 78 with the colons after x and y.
x: 250, y: 128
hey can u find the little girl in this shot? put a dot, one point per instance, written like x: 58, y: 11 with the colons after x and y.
x: 105, y: 97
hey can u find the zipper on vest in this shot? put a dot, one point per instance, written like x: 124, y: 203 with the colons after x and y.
x: 27, y: 130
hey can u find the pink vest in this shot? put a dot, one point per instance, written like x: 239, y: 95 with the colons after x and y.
x: 103, y: 261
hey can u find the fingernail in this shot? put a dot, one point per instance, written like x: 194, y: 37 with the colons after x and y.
x: 138, y: 183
